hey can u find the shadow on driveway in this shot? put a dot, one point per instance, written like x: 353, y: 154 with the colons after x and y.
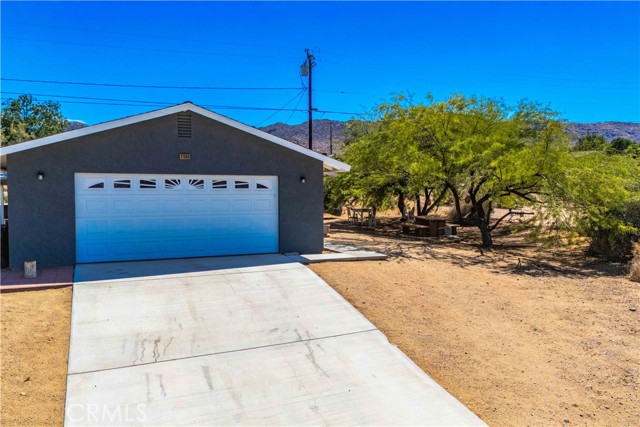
x: 166, y: 267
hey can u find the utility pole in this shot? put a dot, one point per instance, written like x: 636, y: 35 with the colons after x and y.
x: 307, y: 70
x: 330, y: 138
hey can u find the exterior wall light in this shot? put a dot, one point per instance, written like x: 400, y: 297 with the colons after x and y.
x: 40, y: 176
x: 303, y: 179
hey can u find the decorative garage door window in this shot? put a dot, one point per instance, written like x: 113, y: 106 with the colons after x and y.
x: 141, y: 216
x: 149, y: 183
x: 263, y: 184
x: 172, y: 184
x: 196, y: 184
x: 219, y: 184
x: 121, y: 183
x: 94, y: 183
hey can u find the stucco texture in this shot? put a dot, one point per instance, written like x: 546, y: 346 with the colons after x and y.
x: 42, y: 213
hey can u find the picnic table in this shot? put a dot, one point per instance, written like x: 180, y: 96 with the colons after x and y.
x: 426, y: 226
x: 357, y: 215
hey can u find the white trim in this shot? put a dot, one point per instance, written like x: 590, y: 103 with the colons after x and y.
x: 330, y: 165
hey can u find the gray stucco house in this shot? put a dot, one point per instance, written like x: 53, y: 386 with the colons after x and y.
x: 178, y: 182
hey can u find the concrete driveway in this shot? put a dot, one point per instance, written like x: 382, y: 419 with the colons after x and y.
x: 253, y: 340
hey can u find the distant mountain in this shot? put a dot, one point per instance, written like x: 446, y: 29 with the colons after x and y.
x: 75, y: 124
x: 321, y: 133
x: 609, y: 130
x: 298, y: 133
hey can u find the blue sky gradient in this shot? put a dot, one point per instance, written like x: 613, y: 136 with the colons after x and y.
x: 582, y: 59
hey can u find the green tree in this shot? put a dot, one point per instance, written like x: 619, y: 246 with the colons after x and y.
x: 494, y: 155
x: 382, y: 163
x: 488, y: 154
x: 26, y: 118
x: 619, y: 145
x: 599, y: 198
x: 623, y: 146
x: 472, y: 148
x: 591, y: 143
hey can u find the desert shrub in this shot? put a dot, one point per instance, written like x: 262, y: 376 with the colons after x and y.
x: 615, y: 242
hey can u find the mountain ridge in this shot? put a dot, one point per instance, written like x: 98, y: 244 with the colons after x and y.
x: 324, y: 129
x: 321, y: 132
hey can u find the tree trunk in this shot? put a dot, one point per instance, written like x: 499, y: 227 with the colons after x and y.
x: 485, y: 232
x: 481, y: 219
x: 456, y: 202
x: 402, y: 207
x: 418, y: 209
x: 482, y: 215
x: 427, y: 201
x: 428, y: 208
x: 489, y: 212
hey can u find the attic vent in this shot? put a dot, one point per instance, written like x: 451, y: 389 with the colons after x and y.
x: 184, y: 125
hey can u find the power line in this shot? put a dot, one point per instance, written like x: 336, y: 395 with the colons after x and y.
x: 293, y: 112
x: 148, y: 86
x: 119, y: 104
x: 182, y: 52
x: 134, y: 103
x: 94, y: 98
x: 151, y: 36
x: 287, y: 103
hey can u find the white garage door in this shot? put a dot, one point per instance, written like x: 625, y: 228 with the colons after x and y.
x: 132, y: 217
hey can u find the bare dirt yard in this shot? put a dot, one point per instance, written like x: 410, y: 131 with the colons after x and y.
x: 33, y: 363
x: 521, y: 334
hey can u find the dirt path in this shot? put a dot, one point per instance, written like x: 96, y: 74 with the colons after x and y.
x: 35, y: 344
x: 521, y: 340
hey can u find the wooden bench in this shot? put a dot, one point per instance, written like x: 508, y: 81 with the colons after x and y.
x: 430, y: 230
x: 416, y: 229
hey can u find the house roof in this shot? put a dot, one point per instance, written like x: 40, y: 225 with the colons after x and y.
x: 330, y: 166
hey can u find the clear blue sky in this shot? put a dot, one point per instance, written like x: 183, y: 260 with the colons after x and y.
x: 583, y: 59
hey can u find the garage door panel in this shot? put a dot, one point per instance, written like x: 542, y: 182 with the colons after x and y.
x: 220, y: 205
x: 198, y: 224
x: 173, y: 205
x: 265, y: 225
x: 241, y: 223
x: 242, y: 205
x: 124, y: 206
x: 264, y: 204
x: 148, y: 205
x: 125, y: 227
x: 94, y: 206
x: 173, y: 225
x: 96, y: 227
x: 129, y: 216
x: 149, y: 225
x: 95, y: 250
x: 197, y: 206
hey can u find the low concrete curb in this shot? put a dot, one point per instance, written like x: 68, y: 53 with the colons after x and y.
x: 340, y: 253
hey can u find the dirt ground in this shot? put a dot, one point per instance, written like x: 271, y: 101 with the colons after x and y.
x: 33, y: 363
x: 521, y: 334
